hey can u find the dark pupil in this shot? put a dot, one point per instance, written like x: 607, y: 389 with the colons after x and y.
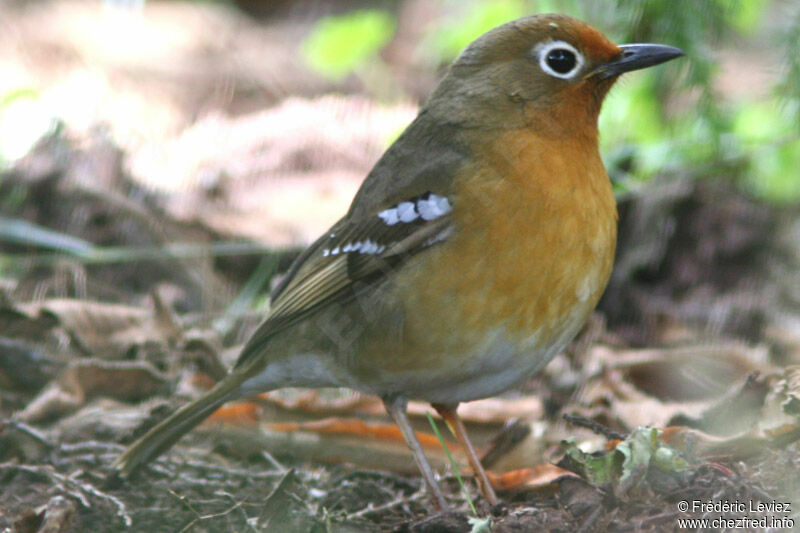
x: 560, y: 60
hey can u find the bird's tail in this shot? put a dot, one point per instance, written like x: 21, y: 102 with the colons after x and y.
x: 161, y: 437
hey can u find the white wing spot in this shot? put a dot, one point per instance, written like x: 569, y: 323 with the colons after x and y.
x: 406, y: 212
x: 370, y: 247
x: 367, y: 246
x: 442, y: 204
x: 433, y: 207
x: 429, y: 207
x: 389, y: 216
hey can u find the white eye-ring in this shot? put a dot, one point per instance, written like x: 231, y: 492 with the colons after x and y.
x: 559, y: 59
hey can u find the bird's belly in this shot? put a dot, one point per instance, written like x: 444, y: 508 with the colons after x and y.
x: 464, y: 366
x: 497, y: 366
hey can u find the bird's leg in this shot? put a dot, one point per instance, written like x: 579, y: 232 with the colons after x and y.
x: 396, y: 407
x: 450, y: 416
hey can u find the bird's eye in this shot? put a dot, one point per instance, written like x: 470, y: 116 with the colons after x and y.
x: 560, y: 59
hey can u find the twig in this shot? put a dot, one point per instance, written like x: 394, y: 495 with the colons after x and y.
x: 73, y: 487
x: 369, y: 509
x: 200, y: 518
x: 274, y: 462
x: 594, y: 427
x: 28, y: 431
x: 249, y: 474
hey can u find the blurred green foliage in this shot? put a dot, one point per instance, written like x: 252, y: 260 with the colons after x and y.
x: 670, y: 120
x: 479, y: 17
x: 752, y: 139
x: 342, y: 44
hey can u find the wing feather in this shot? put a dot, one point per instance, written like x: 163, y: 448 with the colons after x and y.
x: 378, y: 233
x: 326, y: 273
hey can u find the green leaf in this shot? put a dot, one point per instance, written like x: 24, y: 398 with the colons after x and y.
x: 23, y: 121
x: 767, y: 133
x: 20, y: 231
x: 629, y: 462
x: 746, y: 15
x: 773, y: 172
x: 480, y: 525
x: 17, y: 94
x: 598, y: 468
x: 339, y: 45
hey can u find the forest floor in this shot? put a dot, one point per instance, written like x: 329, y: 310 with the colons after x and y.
x: 131, y: 263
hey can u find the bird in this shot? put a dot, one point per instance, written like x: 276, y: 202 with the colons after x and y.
x: 472, y: 253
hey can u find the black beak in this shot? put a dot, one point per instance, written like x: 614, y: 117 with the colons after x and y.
x: 637, y: 56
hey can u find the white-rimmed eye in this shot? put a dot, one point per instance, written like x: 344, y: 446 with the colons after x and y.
x: 559, y: 59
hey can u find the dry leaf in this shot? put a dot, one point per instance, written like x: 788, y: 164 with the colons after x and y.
x: 102, y: 329
x: 635, y: 388
x: 533, y: 478
x: 127, y: 381
x: 702, y: 446
x: 240, y: 413
x: 356, y: 427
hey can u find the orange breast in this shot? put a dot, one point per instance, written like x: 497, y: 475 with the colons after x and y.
x: 531, y: 254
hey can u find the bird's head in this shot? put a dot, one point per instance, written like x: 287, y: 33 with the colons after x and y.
x: 548, y: 72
